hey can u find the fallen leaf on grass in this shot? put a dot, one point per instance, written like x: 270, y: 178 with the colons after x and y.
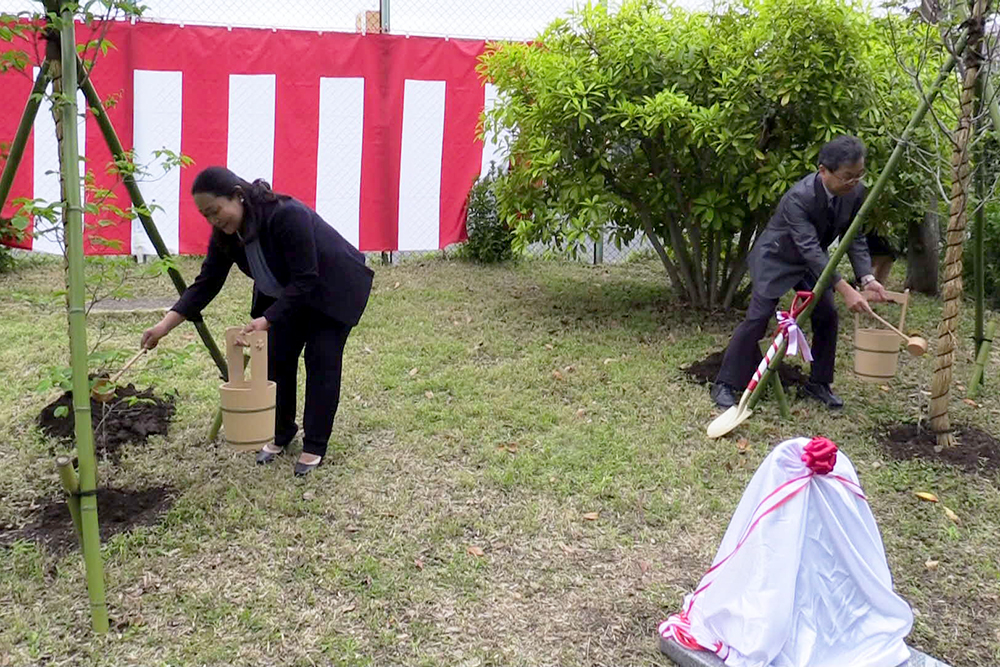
x: 608, y: 361
x: 549, y: 346
x: 419, y: 564
x: 348, y: 609
x: 591, y: 516
x: 569, y: 369
x: 414, y: 371
x: 743, y: 445
x: 970, y: 402
x: 884, y: 387
x: 931, y: 565
x: 951, y: 515
x: 510, y: 447
x: 475, y: 551
x: 557, y: 375
x: 396, y: 286
x: 429, y: 394
x: 566, y: 549
x: 929, y: 497
x: 581, y: 412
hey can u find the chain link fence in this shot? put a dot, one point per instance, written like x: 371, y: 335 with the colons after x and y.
x: 477, y: 19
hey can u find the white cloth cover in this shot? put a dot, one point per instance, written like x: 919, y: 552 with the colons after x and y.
x: 800, y: 579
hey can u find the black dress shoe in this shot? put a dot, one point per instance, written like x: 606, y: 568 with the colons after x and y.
x: 264, y: 456
x: 303, y: 469
x: 723, y: 394
x: 822, y: 393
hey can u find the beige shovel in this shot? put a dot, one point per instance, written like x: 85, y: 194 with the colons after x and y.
x: 738, y: 414
x: 731, y: 418
x: 104, y: 388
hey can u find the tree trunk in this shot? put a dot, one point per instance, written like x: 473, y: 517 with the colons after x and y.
x: 922, y: 249
x: 961, y: 179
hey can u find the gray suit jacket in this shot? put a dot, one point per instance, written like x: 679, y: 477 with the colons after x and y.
x: 792, y: 248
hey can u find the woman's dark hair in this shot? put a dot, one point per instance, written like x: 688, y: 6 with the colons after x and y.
x: 222, y: 182
x: 845, y: 149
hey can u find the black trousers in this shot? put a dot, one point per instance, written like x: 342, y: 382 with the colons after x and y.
x: 323, y: 339
x: 743, y: 354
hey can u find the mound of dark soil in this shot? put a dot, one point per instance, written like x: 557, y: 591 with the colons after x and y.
x: 704, y: 371
x: 975, y: 450
x: 128, y: 418
x: 118, y: 510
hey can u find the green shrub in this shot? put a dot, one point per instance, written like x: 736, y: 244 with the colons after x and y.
x: 490, y: 238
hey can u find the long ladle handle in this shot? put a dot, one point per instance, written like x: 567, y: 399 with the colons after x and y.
x: 127, y: 364
x: 876, y: 316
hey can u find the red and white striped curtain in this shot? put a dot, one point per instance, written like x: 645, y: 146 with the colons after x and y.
x: 377, y: 132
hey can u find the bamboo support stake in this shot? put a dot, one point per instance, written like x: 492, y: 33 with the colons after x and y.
x: 23, y: 132
x: 982, y: 358
x: 73, y: 219
x: 118, y: 153
x: 72, y: 487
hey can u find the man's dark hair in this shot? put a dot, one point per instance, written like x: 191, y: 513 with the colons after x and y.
x: 845, y: 149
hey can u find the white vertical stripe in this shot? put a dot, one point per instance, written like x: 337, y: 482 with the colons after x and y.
x: 45, y: 168
x: 494, y: 146
x: 338, y: 160
x: 250, y: 150
x: 157, y: 126
x: 420, y: 165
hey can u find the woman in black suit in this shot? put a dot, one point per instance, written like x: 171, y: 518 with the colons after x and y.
x: 310, y: 288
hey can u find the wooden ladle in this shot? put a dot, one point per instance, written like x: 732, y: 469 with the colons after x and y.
x: 104, y: 389
x: 915, y: 345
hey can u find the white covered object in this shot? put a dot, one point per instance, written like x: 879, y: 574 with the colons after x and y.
x: 800, y: 579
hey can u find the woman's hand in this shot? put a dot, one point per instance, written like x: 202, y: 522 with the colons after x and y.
x: 257, y: 324
x: 151, y: 336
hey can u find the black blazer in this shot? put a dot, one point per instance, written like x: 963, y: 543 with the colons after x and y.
x: 318, y: 269
x: 792, y: 248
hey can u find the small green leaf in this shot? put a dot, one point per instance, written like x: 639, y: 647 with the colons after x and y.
x: 61, y: 411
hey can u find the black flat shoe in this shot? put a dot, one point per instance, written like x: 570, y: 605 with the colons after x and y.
x: 723, y: 395
x: 303, y: 469
x: 821, y: 392
x: 265, y: 457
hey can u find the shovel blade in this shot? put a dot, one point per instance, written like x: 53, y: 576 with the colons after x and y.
x: 729, y: 419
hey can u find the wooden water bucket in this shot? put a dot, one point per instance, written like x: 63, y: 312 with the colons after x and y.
x: 247, y: 405
x: 876, y: 351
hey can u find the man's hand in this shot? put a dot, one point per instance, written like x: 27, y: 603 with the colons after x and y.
x: 877, y: 291
x: 855, y: 301
x: 257, y: 324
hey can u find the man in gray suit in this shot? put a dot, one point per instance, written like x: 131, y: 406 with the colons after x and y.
x: 791, y: 253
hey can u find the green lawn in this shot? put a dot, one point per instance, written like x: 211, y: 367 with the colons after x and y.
x: 491, y: 409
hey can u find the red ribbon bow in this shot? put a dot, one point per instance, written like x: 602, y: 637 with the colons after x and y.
x: 820, y: 455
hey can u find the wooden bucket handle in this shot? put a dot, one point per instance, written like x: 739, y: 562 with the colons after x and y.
x: 901, y: 298
x: 258, y: 358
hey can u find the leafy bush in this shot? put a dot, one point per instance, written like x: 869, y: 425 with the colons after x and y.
x: 490, y: 238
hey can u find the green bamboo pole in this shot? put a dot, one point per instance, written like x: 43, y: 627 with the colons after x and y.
x: 779, y: 391
x: 979, y: 371
x: 118, y: 152
x: 73, y: 217
x: 890, y: 167
x: 23, y: 131
x: 72, y: 487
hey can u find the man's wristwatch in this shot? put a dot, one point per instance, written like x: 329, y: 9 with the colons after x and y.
x: 867, y: 280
